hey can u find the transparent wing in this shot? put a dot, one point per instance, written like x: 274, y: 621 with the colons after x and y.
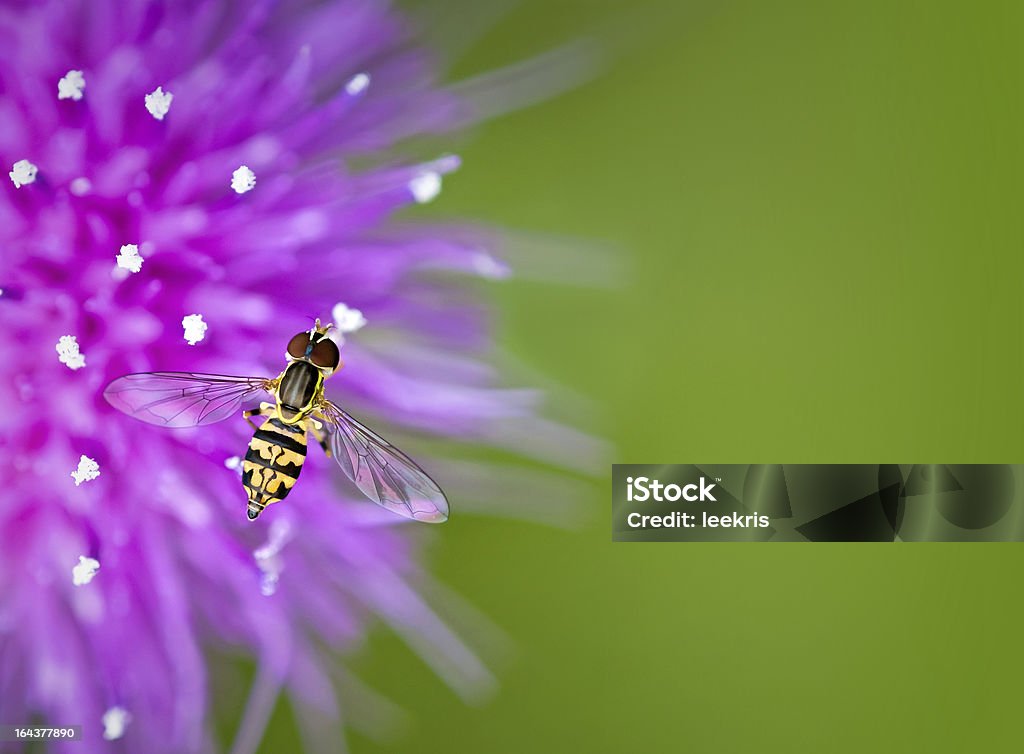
x: 385, y: 474
x: 181, y: 399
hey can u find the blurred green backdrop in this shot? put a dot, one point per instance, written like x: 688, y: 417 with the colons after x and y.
x: 819, y: 208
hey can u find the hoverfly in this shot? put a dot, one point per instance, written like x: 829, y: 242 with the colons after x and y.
x: 277, y: 450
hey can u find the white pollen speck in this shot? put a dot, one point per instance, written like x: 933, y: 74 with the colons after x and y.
x: 81, y: 186
x: 115, y: 720
x: 268, y: 557
x: 268, y: 583
x: 234, y: 463
x: 129, y: 258
x: 279, y: 534
x: 87, y: 470
x: 243, y: 180
x: 346, y: 319
x: 23, y: 173
x: 425, y: 187
x: 489, y: 267
x: 158, y: 102
x: 84, y: 571
x: 68, y: 353
x: 195, y: 328
x: 71, y: 86
x: 357, y: 84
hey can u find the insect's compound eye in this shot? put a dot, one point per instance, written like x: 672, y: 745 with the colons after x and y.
x: 326, y: 354
x: 297, y: 345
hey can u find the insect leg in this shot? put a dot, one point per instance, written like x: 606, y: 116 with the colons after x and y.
x: 317, y: 428
x: 265, y: 409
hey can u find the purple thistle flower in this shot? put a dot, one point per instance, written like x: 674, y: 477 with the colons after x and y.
x: 182, y: 196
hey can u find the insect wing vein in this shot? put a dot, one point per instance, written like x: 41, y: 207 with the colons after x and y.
x: 181, y: 399
x: 383, y: 472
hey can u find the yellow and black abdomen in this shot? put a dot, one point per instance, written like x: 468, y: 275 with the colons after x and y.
x: 273, y: 462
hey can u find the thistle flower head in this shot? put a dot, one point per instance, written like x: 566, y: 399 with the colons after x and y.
x: 133, y: 240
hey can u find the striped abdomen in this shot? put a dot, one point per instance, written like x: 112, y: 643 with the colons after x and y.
x: 273, y: 462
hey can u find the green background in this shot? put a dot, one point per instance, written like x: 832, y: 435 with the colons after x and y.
x: 818, y: 209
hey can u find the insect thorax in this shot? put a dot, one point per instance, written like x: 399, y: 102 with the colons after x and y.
x: 301, y: 385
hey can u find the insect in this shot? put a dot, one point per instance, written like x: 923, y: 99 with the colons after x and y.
x: 277, y: 451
